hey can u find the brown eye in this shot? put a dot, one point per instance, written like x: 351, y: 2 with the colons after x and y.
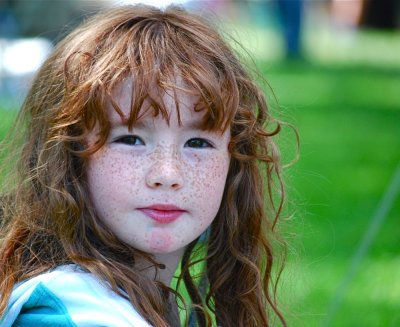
x: 198, y: 143
x: 129, y: 140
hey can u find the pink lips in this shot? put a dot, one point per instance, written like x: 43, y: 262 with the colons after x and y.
x: 162, y: 213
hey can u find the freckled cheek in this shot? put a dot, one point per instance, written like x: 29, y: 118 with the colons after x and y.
x: 213, y: 172
x: 110, y: 175
x: 207, y: 180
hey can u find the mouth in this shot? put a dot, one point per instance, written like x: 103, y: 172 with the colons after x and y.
x: 162, y: 213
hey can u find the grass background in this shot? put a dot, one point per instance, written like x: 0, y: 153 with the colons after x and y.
x: 344, y: 101
x: 348, y: 118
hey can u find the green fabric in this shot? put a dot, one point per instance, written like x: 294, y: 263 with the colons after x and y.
x: 43, y: 309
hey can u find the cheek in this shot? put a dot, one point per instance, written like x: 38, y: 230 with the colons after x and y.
x: 212, y: 174
x: 208, y: 182
x: 111, y: 176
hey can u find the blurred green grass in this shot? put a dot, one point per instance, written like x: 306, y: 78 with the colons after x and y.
x: 7, y: 117
x: 348, y: 118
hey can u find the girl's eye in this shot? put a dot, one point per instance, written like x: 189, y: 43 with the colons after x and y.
x: 129, y: 140
x: 198, y: 143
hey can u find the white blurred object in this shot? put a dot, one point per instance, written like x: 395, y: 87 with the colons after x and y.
x: 155, y: 3
x: 23, y: 56
x: 19, y: 61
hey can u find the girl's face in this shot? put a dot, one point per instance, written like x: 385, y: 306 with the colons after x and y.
x: 158, y: 186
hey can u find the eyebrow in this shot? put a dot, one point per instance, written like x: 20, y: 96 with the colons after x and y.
x: 124, y: 122
x: 197, y: 124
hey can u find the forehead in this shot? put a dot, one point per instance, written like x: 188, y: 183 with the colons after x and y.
x: 177, y: 104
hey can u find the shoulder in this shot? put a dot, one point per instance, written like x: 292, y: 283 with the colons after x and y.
x: 69, y: 296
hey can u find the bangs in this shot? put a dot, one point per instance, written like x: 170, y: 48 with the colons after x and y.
x: 161, y: 54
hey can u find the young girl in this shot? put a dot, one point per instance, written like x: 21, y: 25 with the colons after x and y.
x: 146, y: 147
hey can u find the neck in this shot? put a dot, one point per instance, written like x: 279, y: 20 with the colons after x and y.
x: 169, y: 261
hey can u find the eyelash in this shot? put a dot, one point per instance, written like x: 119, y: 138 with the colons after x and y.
x: 204, y: 143
x: 196, y: 142
x: 129, y: 140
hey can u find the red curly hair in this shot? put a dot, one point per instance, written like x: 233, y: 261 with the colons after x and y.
x: 47, y: 219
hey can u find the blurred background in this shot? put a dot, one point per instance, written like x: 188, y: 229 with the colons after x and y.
x: 333, y: 71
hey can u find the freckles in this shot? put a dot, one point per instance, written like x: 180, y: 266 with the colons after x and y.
x: 197, y: 158
x: 113, y: 177
x: 211, y: 174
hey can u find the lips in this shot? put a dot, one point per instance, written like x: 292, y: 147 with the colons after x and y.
x: 162, y: 213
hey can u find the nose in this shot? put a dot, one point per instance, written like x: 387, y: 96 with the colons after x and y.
x: 165, y: 174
